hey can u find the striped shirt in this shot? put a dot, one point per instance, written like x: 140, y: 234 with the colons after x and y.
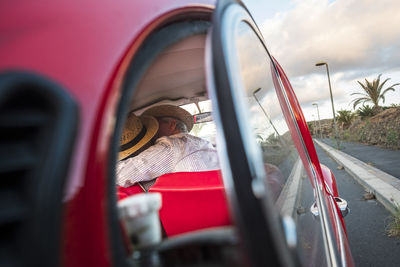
x: 180, y: 152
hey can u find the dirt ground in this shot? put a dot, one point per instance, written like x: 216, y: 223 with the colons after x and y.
x: 382, y: 130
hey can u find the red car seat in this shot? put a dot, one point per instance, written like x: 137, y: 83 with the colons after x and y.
x: 192, y: 201
x: 123, y: 192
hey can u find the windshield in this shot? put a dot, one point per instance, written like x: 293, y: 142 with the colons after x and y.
x: 205, y: 130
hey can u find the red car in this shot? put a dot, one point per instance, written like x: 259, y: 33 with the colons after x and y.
x: 70, y: 71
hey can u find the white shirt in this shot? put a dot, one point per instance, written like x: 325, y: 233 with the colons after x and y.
x: 176, y: 153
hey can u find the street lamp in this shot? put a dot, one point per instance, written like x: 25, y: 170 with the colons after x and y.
x: 265, y: 113
x: 319, y: 120
x: 314, y: 123
x: 330, y: 91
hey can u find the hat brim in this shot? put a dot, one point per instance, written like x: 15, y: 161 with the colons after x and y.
x: 171, y: 111
x: 151, y: 125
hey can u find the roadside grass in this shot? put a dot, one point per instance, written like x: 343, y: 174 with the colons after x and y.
x: 369, y: 196
x: 393, y: 226
x: 392, y: 138
x: 382, y: 129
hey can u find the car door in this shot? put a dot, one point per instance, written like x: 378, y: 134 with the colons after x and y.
x: 334, y: 207
x: 265, y: 160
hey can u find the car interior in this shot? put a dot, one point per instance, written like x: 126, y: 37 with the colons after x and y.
x: 197, y: 218
x: 170, y: 69
x: 175, y: 74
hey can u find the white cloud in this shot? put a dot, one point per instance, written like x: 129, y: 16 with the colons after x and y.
x: 359, y: 39
x: 346, y: 33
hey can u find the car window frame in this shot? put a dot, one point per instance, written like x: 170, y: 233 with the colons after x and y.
x: 229, y: 120
x: 331, y: 220
x: 157, y: 41
x: 265, y: 235
x: 320, y: 193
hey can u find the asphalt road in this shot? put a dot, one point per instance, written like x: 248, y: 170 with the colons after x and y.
x: 366, y: 221
x: 386, y: 160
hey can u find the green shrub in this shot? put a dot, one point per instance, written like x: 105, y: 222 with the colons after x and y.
x: 348, y: 136
x: 391, y: 106
x: 363, y: 136
x: 365, y: 111
x: 392, y: 138
x: 272, y: 139
x: 393, y: 227
x: 310, y: 127
x: 345, y: 117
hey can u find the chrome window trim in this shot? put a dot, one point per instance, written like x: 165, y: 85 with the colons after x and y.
x: 231, y: 17
x: 340, y: 235
x: 329, y: 243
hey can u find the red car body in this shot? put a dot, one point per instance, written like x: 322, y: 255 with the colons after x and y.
x: 86, y: 48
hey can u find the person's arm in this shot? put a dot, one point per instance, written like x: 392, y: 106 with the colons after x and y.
x: 151, y: 163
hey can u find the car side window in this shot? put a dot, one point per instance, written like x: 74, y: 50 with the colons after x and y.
x: 286, y: 179
x: 265, y: 115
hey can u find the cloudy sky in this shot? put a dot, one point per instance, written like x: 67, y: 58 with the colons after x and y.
x: 358, y: 39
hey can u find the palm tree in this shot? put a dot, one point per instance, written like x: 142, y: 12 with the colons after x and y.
x: 345, y: 117
x: 373, y: 92
x: 365, y: 111
x: 260, y: 138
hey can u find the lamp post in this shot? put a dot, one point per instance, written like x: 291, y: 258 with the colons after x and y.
x: 314, y: 124
x: 319, y: 120
x: 265, y: 113
x: 330, y: 91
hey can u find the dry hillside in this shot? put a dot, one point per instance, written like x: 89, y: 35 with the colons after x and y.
x: 382, y: 129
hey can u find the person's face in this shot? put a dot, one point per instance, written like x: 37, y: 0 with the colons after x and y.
x: 166, y: 127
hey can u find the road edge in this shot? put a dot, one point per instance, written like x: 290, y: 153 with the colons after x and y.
x: 384, y: 186
x: 289, y: 198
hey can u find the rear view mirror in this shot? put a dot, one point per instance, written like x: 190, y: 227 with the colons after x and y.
x: 202, y: 117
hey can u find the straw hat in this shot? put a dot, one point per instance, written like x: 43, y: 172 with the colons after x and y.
x: 171, y: 111
x: 138, y: 131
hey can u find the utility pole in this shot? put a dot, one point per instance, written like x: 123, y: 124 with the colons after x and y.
x: 319, y: 120
x: 333, y: 107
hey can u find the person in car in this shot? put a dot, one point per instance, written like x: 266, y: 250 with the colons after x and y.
x: 139, y: 134
x: 175, y: 150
